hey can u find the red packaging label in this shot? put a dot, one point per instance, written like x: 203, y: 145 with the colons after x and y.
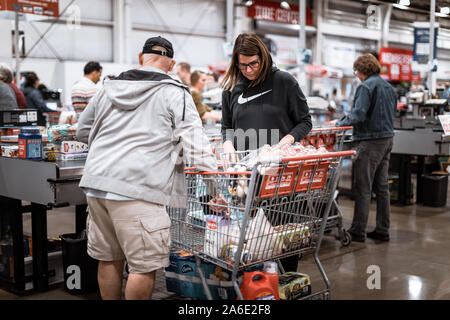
x: 306, y: 176
x: 286, y: 182
x: 22, y: 148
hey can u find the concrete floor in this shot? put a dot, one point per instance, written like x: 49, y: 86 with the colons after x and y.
x: 415, y: 264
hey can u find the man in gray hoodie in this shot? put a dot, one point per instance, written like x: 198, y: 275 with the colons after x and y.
x: 136, y: 127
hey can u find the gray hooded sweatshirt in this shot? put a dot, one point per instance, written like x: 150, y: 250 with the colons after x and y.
x: 137, y: 126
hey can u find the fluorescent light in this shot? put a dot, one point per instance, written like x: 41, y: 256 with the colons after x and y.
x: 248, y: 3
x: 445, y: 10
x: 399, y: 6
x: 285, y: 5
x: 404, y: 2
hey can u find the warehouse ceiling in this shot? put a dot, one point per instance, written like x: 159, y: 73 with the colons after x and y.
x: 423, y: 4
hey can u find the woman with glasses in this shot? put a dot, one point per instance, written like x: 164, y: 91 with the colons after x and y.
x: 261, y: 105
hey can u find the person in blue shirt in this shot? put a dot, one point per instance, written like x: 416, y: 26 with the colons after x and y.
x: 372, y: 118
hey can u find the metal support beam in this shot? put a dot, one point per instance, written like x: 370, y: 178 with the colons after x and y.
x: 431, y: 75
x: 386, y: 24
x: 302, y: 31
x: 16, y: 52
x: 230, y: 19
x: 319, y: 36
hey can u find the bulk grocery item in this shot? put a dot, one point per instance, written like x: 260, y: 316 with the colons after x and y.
x: 30, y: 143
x: 294, y: 285
x: 260, y: 286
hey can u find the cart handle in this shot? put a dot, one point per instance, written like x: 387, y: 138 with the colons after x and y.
x: 209, y: 173
x: 320, y: 156
x: 331, y: 129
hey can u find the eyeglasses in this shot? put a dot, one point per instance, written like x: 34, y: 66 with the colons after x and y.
x: 355, y: 72
x: 252, y: 65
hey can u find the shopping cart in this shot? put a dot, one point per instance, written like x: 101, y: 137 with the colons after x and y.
x: 274, y: 211
x: 333, y: 140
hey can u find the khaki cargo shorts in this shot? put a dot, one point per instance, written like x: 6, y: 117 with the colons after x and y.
x: 137, y: 231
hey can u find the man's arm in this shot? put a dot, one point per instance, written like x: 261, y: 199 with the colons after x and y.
x: 189, y: 131
x: 360, y: 107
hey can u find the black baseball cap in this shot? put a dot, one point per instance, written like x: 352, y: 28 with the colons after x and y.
x: 158, y: 41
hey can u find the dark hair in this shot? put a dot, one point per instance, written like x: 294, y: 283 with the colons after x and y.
x: 92, y: 66
x: 248, y: 44
x: 184, y: 66
x: 195, y: 76
x: 367, y: 64
x: 31, y: 79
x: 215, y: 75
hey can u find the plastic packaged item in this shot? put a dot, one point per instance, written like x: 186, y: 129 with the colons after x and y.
x: 294, y: 285
x: 30, y: 143
x: 71, y: 147
x: 270, y: 267
x: 260, y: 286
x: 10, y: 151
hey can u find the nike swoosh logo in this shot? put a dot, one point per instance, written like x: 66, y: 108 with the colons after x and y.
x: 242, y: 100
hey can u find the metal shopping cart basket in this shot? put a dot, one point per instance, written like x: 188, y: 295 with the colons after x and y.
x: 333, y: 140
x: 271, y: 212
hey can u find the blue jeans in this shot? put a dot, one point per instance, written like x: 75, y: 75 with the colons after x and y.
x: 371, y: 175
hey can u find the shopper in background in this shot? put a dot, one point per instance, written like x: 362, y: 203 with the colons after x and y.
x: 212, y: 80
x: 6, y: 75
x: 7, y: 97
x: 372, y: 118
x: 261, y: 104
x: 34, y: 97
x: 136, y: 127
x: 84, y: 89
x: 446, y: 94
x: 198, y: 81
x: 184, y: 72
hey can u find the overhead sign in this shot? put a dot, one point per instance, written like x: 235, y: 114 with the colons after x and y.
x: 396, y: 64
x: 38, y: 7
x: 272, y: 11
x: 421, y: 50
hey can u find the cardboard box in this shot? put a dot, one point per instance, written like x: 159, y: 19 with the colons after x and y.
x: 70, y: 147
x: 18, y: 118
x: 71, y: 156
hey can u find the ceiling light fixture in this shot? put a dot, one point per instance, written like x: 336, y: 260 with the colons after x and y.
x: 285, y: 5
x: 248, y: 3
x: 404, y: 2
x: 399, y: 6
x: 445, y: 10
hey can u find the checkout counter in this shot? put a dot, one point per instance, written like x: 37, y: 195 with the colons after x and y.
x: 45, y: 185
x: 418, y: 133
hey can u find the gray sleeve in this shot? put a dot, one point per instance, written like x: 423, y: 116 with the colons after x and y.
x: 189, y: 131
x: 7, y: 97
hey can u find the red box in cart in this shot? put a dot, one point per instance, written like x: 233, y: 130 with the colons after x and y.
x: 285, y: 185
x: 306, y: 173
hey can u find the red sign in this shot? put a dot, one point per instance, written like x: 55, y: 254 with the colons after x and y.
x: 39, y: 7
x: 272, y: 11
x: 396, y: 64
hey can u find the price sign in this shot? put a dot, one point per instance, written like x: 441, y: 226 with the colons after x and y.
x: 445, y: 123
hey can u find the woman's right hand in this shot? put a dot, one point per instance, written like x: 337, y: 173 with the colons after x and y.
x: 229, y: 152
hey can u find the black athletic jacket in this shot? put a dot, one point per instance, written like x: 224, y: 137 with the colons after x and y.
x: 273, y: 109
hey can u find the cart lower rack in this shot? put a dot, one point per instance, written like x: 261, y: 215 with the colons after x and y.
x: 241, y: 219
